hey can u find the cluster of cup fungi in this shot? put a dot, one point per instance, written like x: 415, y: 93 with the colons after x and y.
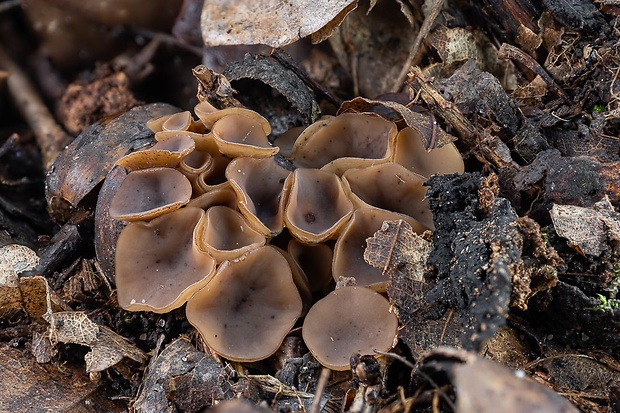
x: 249, y: 241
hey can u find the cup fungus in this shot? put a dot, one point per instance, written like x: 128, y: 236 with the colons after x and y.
x: 349, y: 320
x: 248, y: 307
x: 225, y: 234
x: 149, y: 193
x: 158, y: 264
x: 351, y: 140
x: 238, y: 135
x: 411, y: 153
x: 316, y: 205
x: 258, y: 184
x: 354, y: 171
x: 167, y: 152
x: 389, y: 186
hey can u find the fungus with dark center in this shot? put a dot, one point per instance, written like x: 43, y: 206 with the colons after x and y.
x: 225, y: 234
x: 248, y: 307
x: 258, y: 184
x: 392, y: 187
x: 349, y: 320
x: 158, y: 264
x: 411, y: 153
x: 167, y: 152
x: 149, y: 193
x: 316, y: 205
x: 350, y: 140
x: 238, y: 135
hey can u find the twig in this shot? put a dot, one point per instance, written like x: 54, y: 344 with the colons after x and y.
x: 50, y: 137
x: 507, y: 51
x: 320, y: 388
x: 424, y: 30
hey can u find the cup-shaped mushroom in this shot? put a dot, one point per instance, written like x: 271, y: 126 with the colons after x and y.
x: 204, y: 142
x: 178, y: 122
x: 149, y: 193
x: 350, y: 246
x: 349, y: 320
x: 209, y: 114
x: 350, y: 140
x: 225, y: 234
x: 214, y: 177
x: 156, y: 124
x: 316, y: 205
x: 165, y: 153
x: 315, y: 261
x: 224, y: 196
x: 248, y: 307
x: 238, y: 135
x: 300, y: 280
x: 410, y: 153
x: 158, y: 264
x: 389, y: 186
x: 258, y: 183
x: 192, y: 166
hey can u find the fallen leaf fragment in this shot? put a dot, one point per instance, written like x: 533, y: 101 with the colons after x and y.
x: 398, y: 251
x: 270, y: 22
x: 107, y: 347
x: 590, y: 231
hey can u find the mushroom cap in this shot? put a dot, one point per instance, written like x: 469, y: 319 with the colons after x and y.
x: 158, y: 264
x: 214, y: 177
x: 177, y: 122
x: 350, y: 140
x: 411, y: 153
x: 165, y: 153
x: 204, y: 142
x: 286, y: 141
x: 317, y: 206
x: 209, y: 114
x: 258, y: 183
x: 225, y: 234
x: 349, y: 250
x: 389, y: 186
x: 238, y: 135
x: 349, y: 320
x: 248, y: 307
x: 149, y: 193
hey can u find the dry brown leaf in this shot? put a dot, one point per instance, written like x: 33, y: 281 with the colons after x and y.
x: 398, y: 251
x: 271, y: 22
x: 588, y: 230
x: 107, y: 347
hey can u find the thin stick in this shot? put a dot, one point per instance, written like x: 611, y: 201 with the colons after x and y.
x: 320, y: 388
x: 413, y: 53
x: 50, y: 137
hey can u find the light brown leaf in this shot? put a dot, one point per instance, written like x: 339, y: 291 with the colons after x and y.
x: 271, y: 22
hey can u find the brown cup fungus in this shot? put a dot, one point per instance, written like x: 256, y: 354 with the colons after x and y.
x: 149, y: 193
x: 258, y: 184
x: 351, y: 140
x: 354, y: 171
x: 411, y: 153
x: 316, y: 205
x: 349, y: 320
x: 238, y: 135
x: 392, y: 187
x: 158, y: 264
x: 165, y: 153
x: 248, y: 307
x: 225, y: 234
